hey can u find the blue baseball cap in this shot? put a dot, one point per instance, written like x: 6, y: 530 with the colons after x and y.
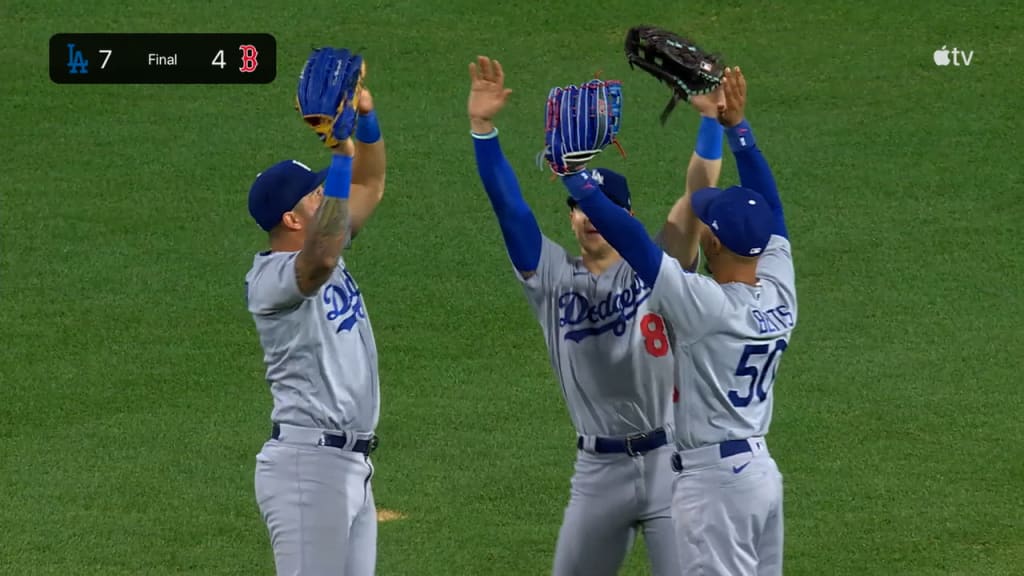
x: 613, y: 185
x: 279, y: 188
x: 739, y: 217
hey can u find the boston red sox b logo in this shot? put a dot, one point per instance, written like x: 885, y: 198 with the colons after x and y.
x: 249, y: 54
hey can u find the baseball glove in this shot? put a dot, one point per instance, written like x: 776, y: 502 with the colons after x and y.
x: 580, y: 122
x: 328, y: 92
x: 676, y: 61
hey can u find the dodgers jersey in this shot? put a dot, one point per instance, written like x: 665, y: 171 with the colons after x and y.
x: 320, y: 353
x: 609, y: 350
x: 728, y: 341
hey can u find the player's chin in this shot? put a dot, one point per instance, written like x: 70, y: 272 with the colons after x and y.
x: 595, y: 243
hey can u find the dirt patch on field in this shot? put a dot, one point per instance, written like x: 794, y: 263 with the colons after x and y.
x: 385, y: 515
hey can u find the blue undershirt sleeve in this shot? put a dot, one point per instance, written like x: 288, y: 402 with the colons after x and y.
x: 518, y: 225
x: 754, y: 171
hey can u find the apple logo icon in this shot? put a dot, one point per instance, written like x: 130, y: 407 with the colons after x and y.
x: 941, y: 57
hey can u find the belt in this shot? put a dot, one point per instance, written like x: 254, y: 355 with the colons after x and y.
x: 633, y: 445
x: 336, y: 440
x: 699, y: 457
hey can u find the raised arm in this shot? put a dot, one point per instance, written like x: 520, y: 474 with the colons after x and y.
x: 369, y: 166
x: 624, y: 232
x: 680, y: 235
x: 325, y: 236
x: 750, y: 162
x: 518, y: 225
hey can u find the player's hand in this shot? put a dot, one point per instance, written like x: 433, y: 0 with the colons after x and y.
x: 734, y: 85
x: 365, y: 104
x: 709, y: 104
x: 347, y: 147
x: 487, y: 93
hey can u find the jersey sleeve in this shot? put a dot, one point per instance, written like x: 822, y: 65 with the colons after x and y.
x: 553, y: 268
x: 688, y: 301
x: 273, y: 286
x: 776, y: 265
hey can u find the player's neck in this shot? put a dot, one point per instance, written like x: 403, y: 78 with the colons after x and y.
x: 286, y: 242
x: 597, y: 264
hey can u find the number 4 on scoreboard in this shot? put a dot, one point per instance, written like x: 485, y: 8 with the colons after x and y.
x: 249, y: 62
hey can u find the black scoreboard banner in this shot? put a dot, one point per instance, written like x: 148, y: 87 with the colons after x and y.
x: 163, y: 58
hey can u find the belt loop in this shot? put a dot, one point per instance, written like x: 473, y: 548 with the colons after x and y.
x: 350, y: 441
x: 758, y: 445
x: 589, y: 443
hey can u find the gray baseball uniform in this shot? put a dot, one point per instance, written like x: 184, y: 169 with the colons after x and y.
x: 613, y: 359
x: 313, y: 476
x: 728, y: 341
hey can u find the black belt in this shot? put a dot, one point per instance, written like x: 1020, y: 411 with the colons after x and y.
x: 339, y: 440
x: 725, y: 450
x: 634, y: 444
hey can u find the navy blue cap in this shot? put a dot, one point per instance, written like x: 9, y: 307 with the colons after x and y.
x: 279, y: 188
x: 739, y: 217
x: 613, y: 185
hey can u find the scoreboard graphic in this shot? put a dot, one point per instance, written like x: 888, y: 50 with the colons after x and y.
x: 163, y: 58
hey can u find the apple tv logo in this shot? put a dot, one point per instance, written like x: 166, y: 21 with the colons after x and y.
x: 941, y: 57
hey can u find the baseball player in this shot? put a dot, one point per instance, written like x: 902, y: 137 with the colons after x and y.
x: 728, y: 334
x: 611, y: 356
x: 312, y: 478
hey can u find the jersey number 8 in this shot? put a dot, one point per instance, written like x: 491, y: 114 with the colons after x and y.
x: 757, y: 376
x: 652, y: 327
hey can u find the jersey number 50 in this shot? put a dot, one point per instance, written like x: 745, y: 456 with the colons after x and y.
x: 748, y: 367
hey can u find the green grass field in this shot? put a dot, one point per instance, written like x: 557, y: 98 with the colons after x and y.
x: 133, y: 392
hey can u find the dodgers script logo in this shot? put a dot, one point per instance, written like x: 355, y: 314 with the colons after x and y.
x: 344, y: 302
x: 595, y: 318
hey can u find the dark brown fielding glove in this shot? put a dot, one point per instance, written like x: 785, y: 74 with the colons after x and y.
x: 676, y: 61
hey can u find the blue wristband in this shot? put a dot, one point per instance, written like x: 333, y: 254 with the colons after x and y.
x: 367, y: 128
x: 709, y: 139
x: 740, y: 136
x: 339, y: 177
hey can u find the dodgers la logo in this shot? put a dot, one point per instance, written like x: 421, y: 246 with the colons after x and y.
x: 595, y: 318
x: 344, y: 302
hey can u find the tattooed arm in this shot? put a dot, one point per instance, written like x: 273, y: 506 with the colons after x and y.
x: 327, y: 231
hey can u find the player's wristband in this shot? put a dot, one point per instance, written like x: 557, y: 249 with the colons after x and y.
x: 740, y: 136
x: 709, y: 139
x: 367, y: 128
x: 339, y: 177
x: 492, y: 134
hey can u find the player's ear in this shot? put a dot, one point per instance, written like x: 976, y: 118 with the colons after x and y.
x: 716, y: 245
x: 291, y: 221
